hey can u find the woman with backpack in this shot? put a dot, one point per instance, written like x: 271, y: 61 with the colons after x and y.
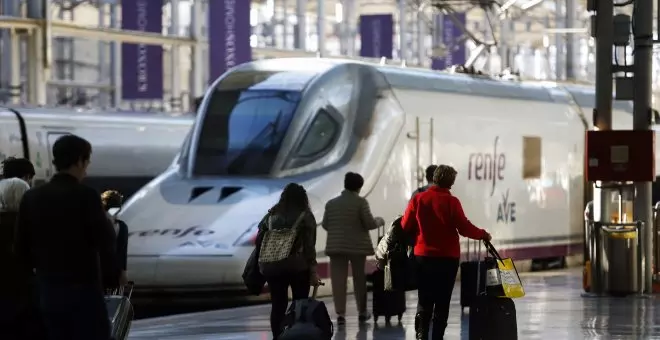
x: 292, y: 216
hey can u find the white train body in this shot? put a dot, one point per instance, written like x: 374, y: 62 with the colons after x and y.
x: 266, y: 123
x: 129, y: 148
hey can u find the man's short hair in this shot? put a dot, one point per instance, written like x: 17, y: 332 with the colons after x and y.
x: 444, y: 176
x: 429, y: 172
x: 69, y: 150
x: 353, y: 181
x: 17, y: 168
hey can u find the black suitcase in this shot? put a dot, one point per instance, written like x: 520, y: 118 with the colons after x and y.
x: 491, y: 318
x: 386, y: 303
x: 469, y: 277
x: 120, y: 312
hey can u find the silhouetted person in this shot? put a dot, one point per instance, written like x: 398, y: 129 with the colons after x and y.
x: 19, y: 315
x: 64, y: 235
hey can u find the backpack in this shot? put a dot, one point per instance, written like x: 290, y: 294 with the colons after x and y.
x: 307, y: 319
x: 277, y: 254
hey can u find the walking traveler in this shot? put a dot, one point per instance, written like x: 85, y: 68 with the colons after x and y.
x: 429, y: 180
x: 64, y: 235
x: 19, y: 315
x: 298, y: 269
x: 112, y: 201
x: 436, y: 218
x: 348, y: 220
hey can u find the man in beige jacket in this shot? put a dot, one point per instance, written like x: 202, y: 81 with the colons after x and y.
x: 348, y: 220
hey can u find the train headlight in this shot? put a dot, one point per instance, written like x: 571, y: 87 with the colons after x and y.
x: 249, y: 237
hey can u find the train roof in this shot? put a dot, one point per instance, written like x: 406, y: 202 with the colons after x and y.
x: 419, y: 79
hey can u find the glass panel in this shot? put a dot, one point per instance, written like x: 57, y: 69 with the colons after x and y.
x: 243, y: 130
x: 319, y: 136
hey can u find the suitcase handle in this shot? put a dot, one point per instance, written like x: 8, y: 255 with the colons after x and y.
x: 315, y: 291
x: 478, y: 268
x: 123, y: 289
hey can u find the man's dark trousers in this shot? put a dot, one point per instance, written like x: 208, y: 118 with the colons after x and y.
x: 74, y: 311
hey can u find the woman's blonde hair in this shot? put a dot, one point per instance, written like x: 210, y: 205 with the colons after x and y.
x: 444, y: 176
x: 11, y: 193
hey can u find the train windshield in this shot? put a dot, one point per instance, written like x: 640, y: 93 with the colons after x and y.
x: 243, y: 130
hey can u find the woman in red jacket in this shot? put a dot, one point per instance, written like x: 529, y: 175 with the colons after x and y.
x: 435, y: 217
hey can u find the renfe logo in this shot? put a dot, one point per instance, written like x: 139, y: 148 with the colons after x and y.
x: 173, y: 233
x: 484, y: 166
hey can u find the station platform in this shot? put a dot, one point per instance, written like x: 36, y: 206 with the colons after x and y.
x: 553, y: 308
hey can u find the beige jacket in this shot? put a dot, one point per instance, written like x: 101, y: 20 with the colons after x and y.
x: 348, y: 219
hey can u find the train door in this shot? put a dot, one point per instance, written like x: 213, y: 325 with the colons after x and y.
x: 423, y: 139
x: 13, y: 135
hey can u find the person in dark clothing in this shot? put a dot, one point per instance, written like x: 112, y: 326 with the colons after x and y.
x: 429, y: 179
x: 284, y: 214
x: 64, y: 235
x: 436, y: 218
x: 112, y: 201
x: 19, y: 315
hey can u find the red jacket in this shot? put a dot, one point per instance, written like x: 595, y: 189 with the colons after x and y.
x: 437, y: 218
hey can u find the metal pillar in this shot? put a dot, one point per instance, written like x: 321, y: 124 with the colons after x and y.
x: 643, y: 35
x: 198, y: 65
x: 9, y: 8
x: 320, y: 31
x: 570, y: 40
x: 402, y: 31
x: 559, y: 44
x: 349, y: 19
x: 115, y: 60
x: 71, y: 44
x: 175, y: 52
x: 603, y: 117
x: 38, y: 73
x: 301, y: 27
x: 16, y: 67
x: 503, y: 49
x: 421, y: 35
x: 285, y: 24
x: 102, y: 69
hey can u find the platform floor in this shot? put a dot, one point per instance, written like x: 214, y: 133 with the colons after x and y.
x: 553, y: 309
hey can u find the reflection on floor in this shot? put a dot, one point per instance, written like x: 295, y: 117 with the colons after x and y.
x: 552, y: 310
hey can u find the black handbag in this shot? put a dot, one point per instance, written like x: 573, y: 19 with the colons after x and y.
x: 252, y: 277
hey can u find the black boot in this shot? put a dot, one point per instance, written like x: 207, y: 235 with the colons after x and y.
x: 438, y: 328
x: 422, y: 324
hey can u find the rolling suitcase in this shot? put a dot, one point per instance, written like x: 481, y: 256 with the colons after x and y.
x: 120, y: 312
x: 386, y: 303
x: 492, y: 318
x: 469, y: 275
x: 307, y: 319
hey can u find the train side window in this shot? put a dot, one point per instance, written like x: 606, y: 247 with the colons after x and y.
x: 531, y: 157
x: 320, y: 136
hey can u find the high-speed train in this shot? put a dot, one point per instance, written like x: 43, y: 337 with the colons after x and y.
x: 518, y: 148
x: 128, y: 148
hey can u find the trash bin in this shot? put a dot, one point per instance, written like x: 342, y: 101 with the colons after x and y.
x: 620, y: 254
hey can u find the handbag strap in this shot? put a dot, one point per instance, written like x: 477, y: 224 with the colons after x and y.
x: 491, y: 249
x: 300, y: 218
